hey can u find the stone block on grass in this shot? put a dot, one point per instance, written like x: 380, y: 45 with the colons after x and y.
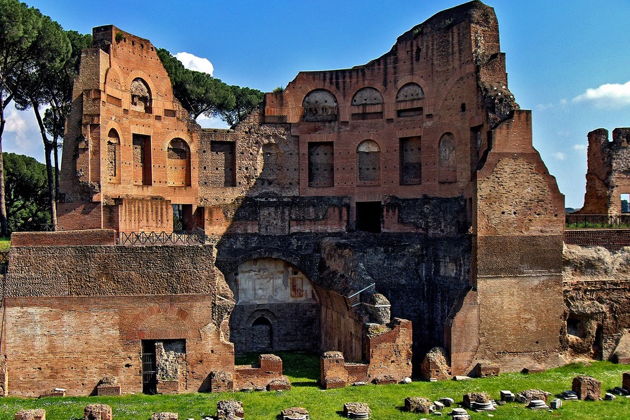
x: 587, y: 388
x: 37, y: 414
x: 418, y: 405
x: 97, y: 412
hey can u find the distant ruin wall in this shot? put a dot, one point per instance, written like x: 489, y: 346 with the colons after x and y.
x: 608, y: 173
x: 611, y: 239
x: 597, y: 297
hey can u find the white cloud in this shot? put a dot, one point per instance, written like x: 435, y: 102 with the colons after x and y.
x: 21, y: 133
x: 192, y: 62
x: 609, y: 95
x: 579, y: 147
x: 213, y: 122
x: 559, y: 156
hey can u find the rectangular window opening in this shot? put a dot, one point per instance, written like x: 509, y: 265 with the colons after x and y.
x: 625, y: 203
x: 183, y: 220
x: 321, y: 171
x: 223, y: 164
x: 369, y: 216
x: 142, y: 159
x: 410, y: 161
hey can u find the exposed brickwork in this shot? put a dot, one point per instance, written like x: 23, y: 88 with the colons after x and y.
x: 112, y: 331
x: 388, y: 358
x: 268, y: 371
x: 412, y: 176
x: 587, y: 388
x: 611, y: 239
x: 607, y: 176
x: 75, y: 237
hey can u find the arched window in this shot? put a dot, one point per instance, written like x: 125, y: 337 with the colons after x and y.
x: 140, y: 95
x: 113, y: 156
x: 408, y: 101
x: 367, y: 96
x: 368, y: 162
x: 367, y: 104
x: 409, y: 92
x: 447, y: 164
x: 178, y: 167
x: 320, y: 105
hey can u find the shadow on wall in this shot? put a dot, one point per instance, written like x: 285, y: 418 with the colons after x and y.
x: 293, y: 261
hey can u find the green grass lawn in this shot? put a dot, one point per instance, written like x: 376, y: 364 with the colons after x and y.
x: 384, y: 400
x: 5, y: 244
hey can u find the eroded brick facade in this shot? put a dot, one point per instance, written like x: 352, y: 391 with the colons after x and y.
x: 413, y: 176
x: 607, y: 179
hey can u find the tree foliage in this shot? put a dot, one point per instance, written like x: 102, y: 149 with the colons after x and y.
x: 20, y: 37
x: 26, y: 193
x: 202, y: 94
x: 44, y: 84
x: 246, y: 100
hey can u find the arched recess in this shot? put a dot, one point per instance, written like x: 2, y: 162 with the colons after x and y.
x: 113, y: 157
x: 140, y: 96
x: 320, y: 105
x: 367, y: 104
x: 275, y: 301
x: 262, y: 335
x: 447, y: 161
x: 178, y: 163
x: 409, y: 100
x: 368, y: 162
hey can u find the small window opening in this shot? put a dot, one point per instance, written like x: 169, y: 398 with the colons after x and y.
x: 182, y: 218
x: 575, y: 327
x: 369, y: 216
x: 625, y: 203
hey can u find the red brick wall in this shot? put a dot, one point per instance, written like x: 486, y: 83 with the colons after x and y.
x: 68, y: 238
x: 73, y: 342
x: 611, y: 239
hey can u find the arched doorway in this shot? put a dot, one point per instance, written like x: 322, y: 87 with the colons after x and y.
x: 262, y: 335
x: 276, y: 309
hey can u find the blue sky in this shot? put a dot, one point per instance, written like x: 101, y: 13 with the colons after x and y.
x: 556, y: 51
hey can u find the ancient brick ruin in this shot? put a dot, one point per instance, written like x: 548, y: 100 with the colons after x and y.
x: 608, y: 175
x: 352, y: 206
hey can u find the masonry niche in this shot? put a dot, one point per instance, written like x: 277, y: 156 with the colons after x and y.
x: 142, y: 170
x: 277, y: 308
x: 321, y: 172
x: 447, y: 165
x: 368, y: 163
x: 410, y: 161
x: 113, y: 157
x: 223, y: 164
x: 140, y: 96
x: 178, y: 163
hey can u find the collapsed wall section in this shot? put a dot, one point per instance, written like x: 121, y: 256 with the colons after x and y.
x: 597, y: 297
